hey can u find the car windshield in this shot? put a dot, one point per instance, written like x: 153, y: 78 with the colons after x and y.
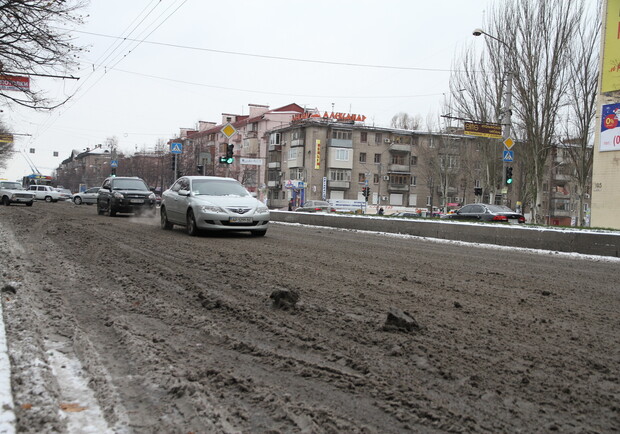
x: 212, y: 187
x: 11, y: 185
x: 129, y: 184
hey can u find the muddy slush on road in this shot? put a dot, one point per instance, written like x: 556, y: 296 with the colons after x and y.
x: 156, y: 331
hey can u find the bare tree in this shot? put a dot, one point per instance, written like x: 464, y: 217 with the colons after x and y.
x: 581, y: 99
x: 6, y: 147
x: 32, y: 42
x: 405, y: 121
x: 532, y: 41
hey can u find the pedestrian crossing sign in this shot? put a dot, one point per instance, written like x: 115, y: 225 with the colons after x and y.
x: 176, y: 148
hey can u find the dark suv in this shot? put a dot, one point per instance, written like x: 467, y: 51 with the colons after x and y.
x: 125, y: 195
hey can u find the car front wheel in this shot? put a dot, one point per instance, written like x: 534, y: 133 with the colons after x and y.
x: 6, y: 201
x: 191, y: 228
x: 48, y: 198
x: 77, y: 200
x: 165, y: 224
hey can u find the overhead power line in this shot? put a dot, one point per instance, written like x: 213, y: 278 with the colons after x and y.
x: 263, y: 56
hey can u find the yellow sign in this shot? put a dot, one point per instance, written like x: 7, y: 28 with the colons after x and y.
x: 508, y: 143
x: 228, y: 130
x: 317, y: 150
x: 610, y: 73
x: 6, y: 138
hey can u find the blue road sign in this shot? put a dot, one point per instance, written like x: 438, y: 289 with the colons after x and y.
x: 176, y: 148
x: 114, y: 163
x: 509, y: 156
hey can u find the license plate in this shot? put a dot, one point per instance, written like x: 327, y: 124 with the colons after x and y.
x: 240, y: 220
x: 513, y: 221
x: 137, y: 201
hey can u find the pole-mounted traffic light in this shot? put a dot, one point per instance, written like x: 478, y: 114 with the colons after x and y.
x: 508, y: 175
x: 229, y: 158
x: 200, y: 169
x: 173, y: 160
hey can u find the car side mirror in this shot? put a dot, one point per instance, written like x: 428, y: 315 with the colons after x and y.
x: 183, y: 192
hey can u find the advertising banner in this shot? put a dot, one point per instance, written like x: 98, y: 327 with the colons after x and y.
x: 610, y: 128
x: 13, y: 82
x: 490, y: 131
x: 610, y: 75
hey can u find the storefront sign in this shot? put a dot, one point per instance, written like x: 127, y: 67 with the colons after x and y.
x: 332, y: 115
x: 317, y: 150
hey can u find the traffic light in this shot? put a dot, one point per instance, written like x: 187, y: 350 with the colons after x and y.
x: 508, y: 175
x: 113, y: 172
x: 173, y: 160
x: 200, y: 168
x: 366, y: 192
x: 229, y: 158
x: 477, y: 191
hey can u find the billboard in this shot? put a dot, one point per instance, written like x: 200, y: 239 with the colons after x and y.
x: 13, y: 82
x: 610, y: 128
x: 491, y: 131
x: 610, y: 74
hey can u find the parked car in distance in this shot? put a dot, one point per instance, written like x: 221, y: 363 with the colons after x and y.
x: 487, y: 213
x: 65, y: 193
x: 88, y: 196
x: 45, y: 192
x: 406, y: 214
x: 13, y: 192
x: 125, y: 194
x: 316, y: 206
x: 212, y: 203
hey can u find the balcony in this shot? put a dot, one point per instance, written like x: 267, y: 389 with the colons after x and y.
x: 398, y: 188
x: 400, y: 147
x: 297, y: 142
x: 338, y: 185
x: 399, y: 168
x: 560, y: 213
x: 274, y: 165
x: 275, y: 148
x: 273, y: 184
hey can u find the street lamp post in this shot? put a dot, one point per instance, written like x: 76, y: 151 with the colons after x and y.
x: 507, y: 111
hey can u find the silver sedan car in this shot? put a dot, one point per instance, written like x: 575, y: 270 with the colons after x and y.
x: 89, y: 196
x: 212, y: 203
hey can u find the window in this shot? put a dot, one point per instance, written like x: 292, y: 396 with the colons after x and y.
x: 296, y: 134
x: 32, y: 150
x: 55, y: 153
x: 375, y: 178
x: 414, y: 160
x: 292, y: 153
x: 274, y: 139
x: 362, y: 157
x: 377, y: 158
x: 397, y: 159
x: 361, y: 177
x: 341, y: 134
x: 339, y: 175
x: 364, y: 137
x: 399, y: 179
x: 414, y: 180
x: 378, y: 137
x: 297, y: 173
x: 342, y: 154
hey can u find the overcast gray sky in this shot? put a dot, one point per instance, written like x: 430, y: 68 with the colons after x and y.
x: 185, y: 71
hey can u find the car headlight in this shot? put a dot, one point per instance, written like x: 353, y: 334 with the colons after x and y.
x: 152, y: 196
x: 211, y: 208
x: 262, y: 209
x: 118, y: 195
